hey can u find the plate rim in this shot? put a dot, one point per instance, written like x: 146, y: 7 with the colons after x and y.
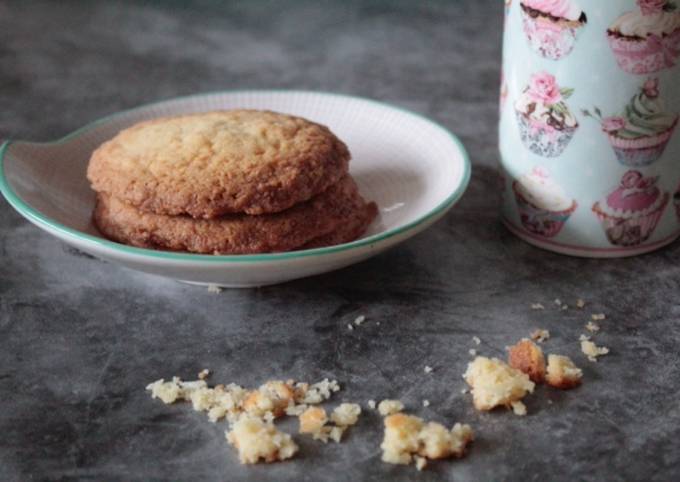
x: 23, y: 208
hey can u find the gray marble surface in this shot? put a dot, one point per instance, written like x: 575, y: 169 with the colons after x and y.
x: 79, y: 338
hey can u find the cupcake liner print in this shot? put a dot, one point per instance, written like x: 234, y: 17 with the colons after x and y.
x: 640, y: 134
x: 631, y: 212
x: 543, y: 206
x: 551, y: 26
x: 545, y: 122
x: 647, y: 40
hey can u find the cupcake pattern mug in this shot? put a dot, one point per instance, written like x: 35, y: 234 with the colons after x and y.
x: 589, y: 145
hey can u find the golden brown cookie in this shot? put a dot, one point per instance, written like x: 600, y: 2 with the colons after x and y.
x: 209, y: 164
x: 341, y: 204
x: 346, y: 232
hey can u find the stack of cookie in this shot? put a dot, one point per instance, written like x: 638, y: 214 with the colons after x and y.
x: 227, y: 182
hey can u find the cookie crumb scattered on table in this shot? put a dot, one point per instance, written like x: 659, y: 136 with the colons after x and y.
x: 592, y: 351
x: 562, y: 373
x: 389, y: 407
x: 494, y: 383
x: 540, y: 335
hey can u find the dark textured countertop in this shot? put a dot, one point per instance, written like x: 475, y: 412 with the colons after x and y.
x: 80, y: 339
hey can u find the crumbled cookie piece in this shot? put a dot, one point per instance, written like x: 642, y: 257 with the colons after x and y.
x: 580, y: 303
x: 583, y: 337
x: 428, y: 369
x: 540, y: 335
x: 537, y: 306
x: 592, y: 327
x: 312, y: 420
x: 219, y: 402
x: 472, y: 352
x: 426, y: 403
x: 175, y: 389
x: 371, y: 404
x: 476, y: 340
x: 359, y: 320
x: 527, y: 357
x: 214, y: 288
x: 558, y: 302
x: 407, y: 436
x: 562, y: 373
x: 519, y: 408
x: 389, y: 407
x: 258, y: 440
x: 203, y: 374
x: 598, y: 316
x: 350, y: 327
x: 494, y: 383
x: 274, y: 396
x: 592, y: 351
x: 315, y: 393
x: 346, y: 414
x: 421, y: 462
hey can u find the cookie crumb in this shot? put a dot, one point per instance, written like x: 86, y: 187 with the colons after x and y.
x: 580, y: 303
x: 428, y: 369
x: 583, y: 337
x: 472, y: 352
x: 389, y: 407
x: 519, y: 408
x: 558, y: 302
x: 421, y: 463
x: 359, y: 320
x: 476, y: 340
x: 537, y: 306
x: 426, y: 403
x: 203, y: 374
x: 407, y: 437
x: 258, y: 440
x: 494, y: 383
x: 371, y: 404
x: 214, y: 288
x: 592, y: 327
x: 564, y: 307
x: 350, y: 327
x: 562, y: 373
x: 528, y: 358
x: 593, y: 351
x: 346, y: 414
x: 540, y: 335
x: 598, y: 316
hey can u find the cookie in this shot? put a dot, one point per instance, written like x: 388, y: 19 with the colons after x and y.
x: 346, y: 232
x: 341, y: 204
x: 209, y: 164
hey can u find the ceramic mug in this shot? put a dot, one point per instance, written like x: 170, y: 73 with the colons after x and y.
x: 590, y: 101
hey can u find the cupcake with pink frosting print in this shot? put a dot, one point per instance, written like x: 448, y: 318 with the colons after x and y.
x: 552, y: 26
x: 543, y: 205
x: 647, y: 40
x: 630, y: 213
x: 639, y: 135
x: 545, y: 122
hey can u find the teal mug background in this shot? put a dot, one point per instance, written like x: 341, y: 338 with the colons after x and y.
x: 588, y: 137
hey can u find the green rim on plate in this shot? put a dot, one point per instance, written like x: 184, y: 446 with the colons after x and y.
x: 35, y: 216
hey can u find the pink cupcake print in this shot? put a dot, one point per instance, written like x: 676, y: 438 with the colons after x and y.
x: 552, y: 26
x: 647, y: 40
x: 545, y: 122
x: 639, y: 134
x: 630, y: 213
x: 543, y: 205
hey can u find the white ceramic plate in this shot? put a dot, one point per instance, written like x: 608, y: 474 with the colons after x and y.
x: 414, y: 169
